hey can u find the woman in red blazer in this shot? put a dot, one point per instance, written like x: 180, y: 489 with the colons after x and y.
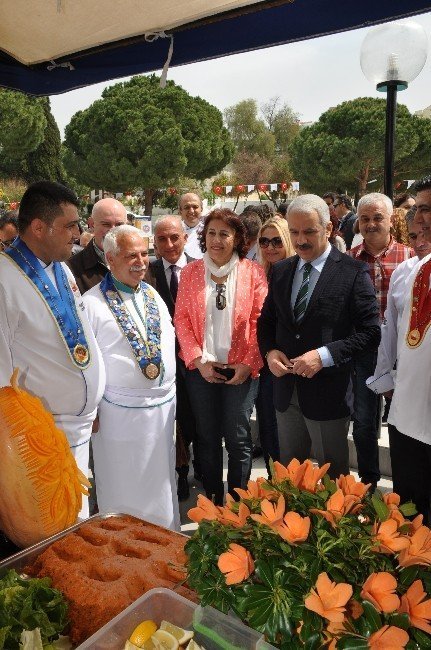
x: 218, y: 303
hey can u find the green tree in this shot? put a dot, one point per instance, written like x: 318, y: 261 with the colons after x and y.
x: 22, y: 124
x: 282, y: 122
x: 249, y: 133
x: 142, y: 136
x: 43, y: 162
x: 345, y: 148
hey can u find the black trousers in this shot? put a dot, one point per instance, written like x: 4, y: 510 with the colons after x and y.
x: 185, y: 416
x: 411, y: 470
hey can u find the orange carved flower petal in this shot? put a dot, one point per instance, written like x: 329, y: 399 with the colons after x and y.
x: 349, y: 485
x: 313, y: 475
x: 294, y: 528
x: 227, y: 516
x: 205, y: 509
x: 388, y: 637
x: 419, y: 549
x: 414, y: 604
x: 328, y: 599
x: 379, y: 590
x: 388, y: 539
x: 236, y: 563
x: 271, y: 514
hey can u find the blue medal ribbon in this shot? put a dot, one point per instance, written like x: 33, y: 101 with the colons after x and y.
x: 147, y: 353
x: 59, y: 300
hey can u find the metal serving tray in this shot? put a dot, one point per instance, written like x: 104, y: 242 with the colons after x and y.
x: 28, y: 555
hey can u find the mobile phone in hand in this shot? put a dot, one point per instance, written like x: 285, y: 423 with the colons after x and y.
x: 226, y: 372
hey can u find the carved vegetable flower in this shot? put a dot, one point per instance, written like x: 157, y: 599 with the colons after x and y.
x: 418, y: 550
x: 388, y: 637
x: 271, y: 513
x: 205, y: 509
x: 379, y: 590
x: 349, y: 485
x: 339, y: 505
x: 294, y: 528
x: 388, y: 538
x: 414, y: 604
x: 237, y: 564
x: 228, y: 516
x: 329, y: 599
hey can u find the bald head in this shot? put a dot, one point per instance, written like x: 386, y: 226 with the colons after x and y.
x: 106, y: 214
x: 170, y: 238
x: 190, y: 207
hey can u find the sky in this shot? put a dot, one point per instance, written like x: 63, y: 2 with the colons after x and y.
x: 311, y: 76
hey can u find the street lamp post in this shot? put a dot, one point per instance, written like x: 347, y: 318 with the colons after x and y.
x: 392, y: 55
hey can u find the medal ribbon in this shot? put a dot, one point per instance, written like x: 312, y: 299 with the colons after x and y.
x: 146, y: 352
x: 61, y: 302
x: 420, y: 313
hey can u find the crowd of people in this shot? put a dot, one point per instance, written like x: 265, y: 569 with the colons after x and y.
x: 310, y: 315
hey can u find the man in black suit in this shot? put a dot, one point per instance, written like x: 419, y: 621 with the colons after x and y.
x: 320, y: 312
x: 346, y: 218
x: 170, y: 239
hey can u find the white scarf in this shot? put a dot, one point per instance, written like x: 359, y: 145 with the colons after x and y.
x: 231, y: 270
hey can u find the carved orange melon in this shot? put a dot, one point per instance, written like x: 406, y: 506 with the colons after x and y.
x: 41, y: 486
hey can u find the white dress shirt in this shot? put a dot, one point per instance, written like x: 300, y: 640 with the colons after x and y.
x: 192, y: 246
x: 179, y: 264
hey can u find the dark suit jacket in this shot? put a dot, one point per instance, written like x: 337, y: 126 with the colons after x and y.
x: 342, y: 314
x: 89, y: 270
x: 346, y: 229
x: 161, y: 284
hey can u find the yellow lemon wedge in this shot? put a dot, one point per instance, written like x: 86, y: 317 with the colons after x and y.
x: 142, y: 633
x: 182, y: 636
x: 131, y: 646
x: 192, y: 645
x: 164, y: 640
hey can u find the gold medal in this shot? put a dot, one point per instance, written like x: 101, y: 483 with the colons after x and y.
x: 152, y: 371
x: 413, y: 337
x: 80, y: 354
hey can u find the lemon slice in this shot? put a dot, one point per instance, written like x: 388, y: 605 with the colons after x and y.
x: 164, y: 640
x: 192, y: 645
x: 132, y: 646
x: 142, y: 633
x: 182, y: 636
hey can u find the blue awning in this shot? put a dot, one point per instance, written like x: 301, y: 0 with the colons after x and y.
x: 249, y: 27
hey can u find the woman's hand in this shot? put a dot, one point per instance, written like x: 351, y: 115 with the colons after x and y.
x: 242, y: 373
x: 208, y: 371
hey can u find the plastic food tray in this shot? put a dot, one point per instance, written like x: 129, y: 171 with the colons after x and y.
x: 213, y: 629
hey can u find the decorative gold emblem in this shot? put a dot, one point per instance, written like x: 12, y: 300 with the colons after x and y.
x: 152, y: 371
x: 414, y: 337
x: 80, y: 354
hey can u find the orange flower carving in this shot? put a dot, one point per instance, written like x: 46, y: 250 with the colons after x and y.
x: 313, y: 475
x: 294, y: 528
x: 379, y: 590
x: 227, y: 516
x: 414, y: 604
x: 349, y: 485
x: 329, y: 599
x: 237, y: 564
x: 339, y: 505
x: 271, y: 514
x: 419, y: 549
x: 388, y: 538
x: 302, y: 475
x: 254, y: 490
x: 388, y: 637
x: 205, y: 509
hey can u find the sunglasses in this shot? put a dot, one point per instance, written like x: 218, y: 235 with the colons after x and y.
x: 276, y: 242
x: 221, y: 296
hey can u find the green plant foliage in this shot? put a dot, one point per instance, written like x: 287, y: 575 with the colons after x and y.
x: 342, y: 534
x: 22, y: 123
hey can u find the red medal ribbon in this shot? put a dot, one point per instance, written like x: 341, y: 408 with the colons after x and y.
x: 420, y: 311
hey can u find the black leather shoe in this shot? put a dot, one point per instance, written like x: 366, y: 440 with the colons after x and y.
x: 183, y: 490
x: 197, y: 476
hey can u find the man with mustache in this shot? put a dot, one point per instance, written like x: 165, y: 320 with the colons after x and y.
x: 134, y: 448
x: 320, y: 313
x: 382, y: 254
